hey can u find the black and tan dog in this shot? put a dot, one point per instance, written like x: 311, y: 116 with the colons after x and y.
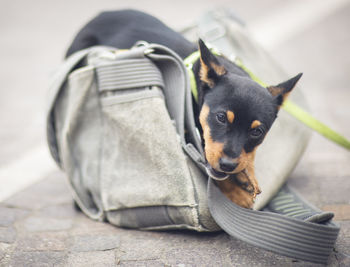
x: 233, y: 112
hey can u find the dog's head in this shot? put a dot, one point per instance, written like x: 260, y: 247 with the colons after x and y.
x: 235, y: 113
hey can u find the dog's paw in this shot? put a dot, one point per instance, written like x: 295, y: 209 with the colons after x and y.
x: 247, y: 187
x: 242, y: 198
x: 257, y: 190
x: 236, y: 193
x: 247, y: 183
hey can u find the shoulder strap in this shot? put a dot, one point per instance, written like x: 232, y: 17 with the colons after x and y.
x: 287, y: 225
x: 276, y: 231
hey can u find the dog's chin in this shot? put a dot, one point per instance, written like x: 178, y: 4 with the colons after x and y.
x: 216, y: 175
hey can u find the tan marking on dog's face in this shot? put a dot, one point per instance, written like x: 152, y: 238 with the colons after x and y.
x: 230, y: 116
x: 203, y: 74
x: 274, y: 90
x: 219, y: 70
x: 245, y: 160
x: 204, y: 70
x: 235, y: 192
x: 255, y: 124
x: 213, y: 150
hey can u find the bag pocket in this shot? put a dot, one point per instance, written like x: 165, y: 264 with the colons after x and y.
x: 142, y: 162
x: 78, y: 131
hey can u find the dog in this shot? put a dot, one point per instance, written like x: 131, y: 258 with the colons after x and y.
x: 233, y: 113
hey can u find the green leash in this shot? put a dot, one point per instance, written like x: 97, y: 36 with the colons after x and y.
x: 287, y: 105
x: 189, y: 61
x: 315, y: 124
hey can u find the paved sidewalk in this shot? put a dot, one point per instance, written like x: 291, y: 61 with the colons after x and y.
x: 40, y: 227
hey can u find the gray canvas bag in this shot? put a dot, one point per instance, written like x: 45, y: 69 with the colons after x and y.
x: 120, y: 142
x: 116, y: 125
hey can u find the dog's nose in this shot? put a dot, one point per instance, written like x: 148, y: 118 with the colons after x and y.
x: 227, y: 165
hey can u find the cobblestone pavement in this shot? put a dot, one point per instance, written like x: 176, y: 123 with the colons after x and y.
x: 39, y: 226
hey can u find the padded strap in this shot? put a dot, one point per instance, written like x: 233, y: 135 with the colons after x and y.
x: 128, y: 73
x: 279, y: 233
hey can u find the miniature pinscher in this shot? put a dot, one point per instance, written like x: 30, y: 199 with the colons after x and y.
x: 233, y: 113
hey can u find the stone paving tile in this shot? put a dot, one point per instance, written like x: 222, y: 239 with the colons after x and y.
x: 144, y: 263
x: 55, y: 241
x: 338, y: 193
x: 42, y: 224
x: 145, y: 246
x: 343, y: 243
x: 332, y: 190
x: 4, y: 247
x: 10, y: 215
x: 92, y: 258
x: 38, y: 259
x: 7, y: 234
x: 343, y: 260
x: 134, y: 249
x: 138, y: 245
x: 341, y: 211
x: 320, y: 189
x: 50, y: 191
x: 58, y: 211
x: 243, y: 254
x: 194, y: 257
x: 4, y: 251
x: 94, y: 243
x: 85, y: 226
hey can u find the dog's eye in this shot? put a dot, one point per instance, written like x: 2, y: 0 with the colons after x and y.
x: 257, y: 132
x: 221, y: 117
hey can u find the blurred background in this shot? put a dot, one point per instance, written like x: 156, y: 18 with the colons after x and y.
x: 309, y: 36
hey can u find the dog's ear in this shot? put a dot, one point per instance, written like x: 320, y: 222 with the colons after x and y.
x: 282, y: 90
x: 210, y: 68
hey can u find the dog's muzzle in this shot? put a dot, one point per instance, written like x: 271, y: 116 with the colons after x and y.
x: 216, y: 175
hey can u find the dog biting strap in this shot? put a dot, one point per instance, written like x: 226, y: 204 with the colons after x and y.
x: 287, y: 224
